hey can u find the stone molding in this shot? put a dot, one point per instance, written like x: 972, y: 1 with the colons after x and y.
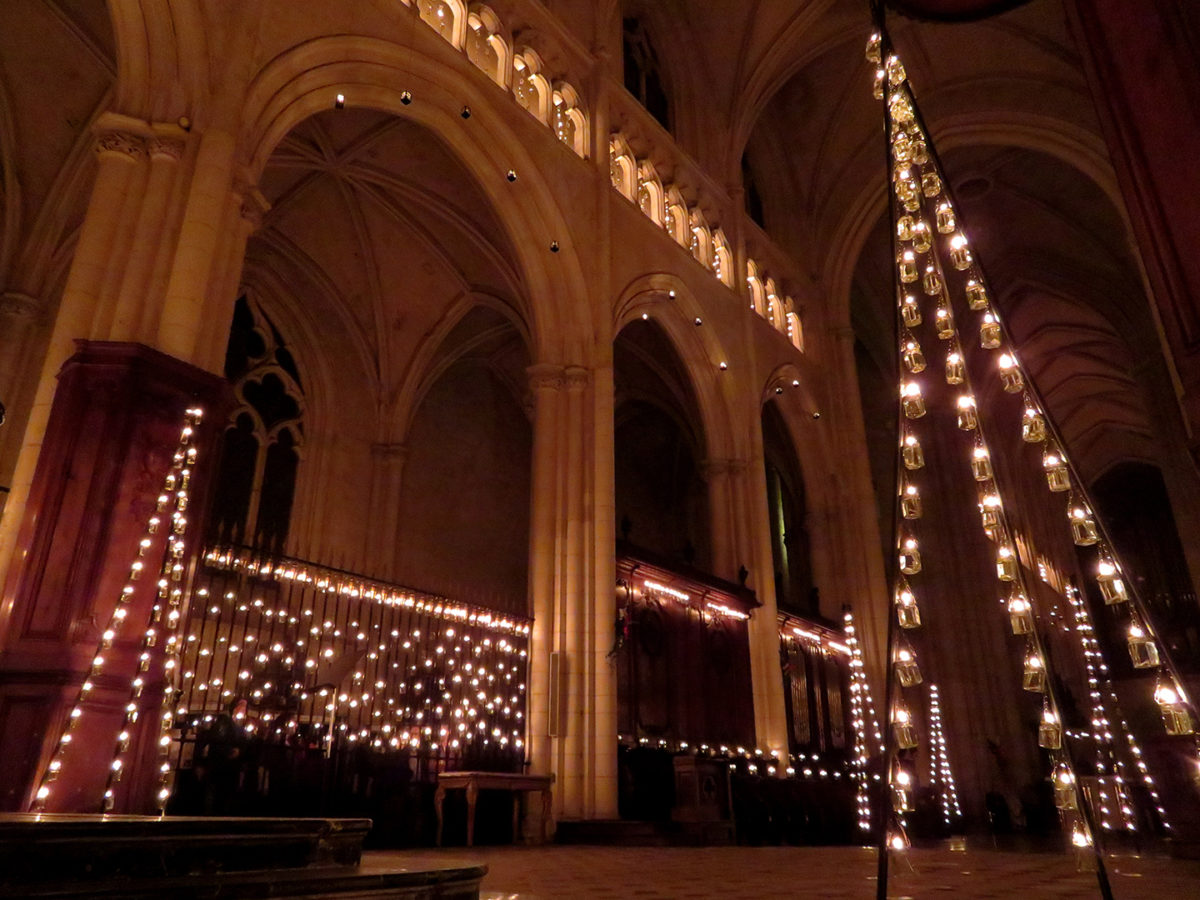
x: 20, y: 307
x: 545, y: 377
x: 165, y: 148
x: 124, y: 144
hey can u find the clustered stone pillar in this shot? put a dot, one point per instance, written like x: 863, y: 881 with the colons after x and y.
x: 572, y: 704
x: 156, y: 266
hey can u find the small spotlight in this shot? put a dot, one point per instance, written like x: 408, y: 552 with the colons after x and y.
x: 466, y: 112
x: 512, y: 175
x: 724, y: 366
x: 645, y: 316
x: 795, y: 382
x: 816, y: 415
x: 671, y: 293
x: 339, y: 102
x: 699, y: 321
x: 554, y: 246
x: 406, y: 97
x: 779, y: 390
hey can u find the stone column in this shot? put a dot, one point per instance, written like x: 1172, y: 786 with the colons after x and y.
x: 109, y: 440
x: 118, y: 153
x: 546, y: 383
x: 387, y: 473
x: 725, y: 558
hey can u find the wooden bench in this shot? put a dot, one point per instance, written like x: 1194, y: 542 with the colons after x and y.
x: 474, y: 782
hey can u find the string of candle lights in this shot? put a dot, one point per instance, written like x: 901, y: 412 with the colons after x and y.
x: 916, y: 152
x: 916, y: 186
x: 940, y: 773
x: 862, y: 712
x: 174, y: 494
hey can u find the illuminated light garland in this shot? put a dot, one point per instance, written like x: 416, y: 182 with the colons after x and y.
x: 861, y: 706
x: 940, y: 773
x: 334, y: 581
x: 175, y: 491
x: 1100, y: 687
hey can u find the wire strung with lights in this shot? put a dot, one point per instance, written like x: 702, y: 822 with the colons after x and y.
x: 174, y: 494
x: 917, y: 189
x: 940, y: 773
x: 864, y: 722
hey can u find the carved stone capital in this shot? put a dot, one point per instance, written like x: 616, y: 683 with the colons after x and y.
x: 714, y: 468
x: 390, y: 453
x: 20, y: 307
x: 120, y: 143
x: 254, y: 204
x: 545, y: 377
x: 576, y: 377
x: 165, y: 148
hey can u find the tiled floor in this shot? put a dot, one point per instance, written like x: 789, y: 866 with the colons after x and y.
x: 755, y: 873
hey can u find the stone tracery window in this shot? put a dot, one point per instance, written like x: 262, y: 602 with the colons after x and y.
x: 486, y: 48
x: 570, y: 125
x: 722, y: 259
x: 530, y: 86
x: 758, y: 299
x: 677, y: 219
x: 446, y: 17
x: 643, y: 75
x: 650, y: 198
x: 260, y: 451
x: 621, y: 168
x: 700, y: 243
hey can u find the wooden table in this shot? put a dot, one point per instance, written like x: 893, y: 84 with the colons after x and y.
x: 473, y: 782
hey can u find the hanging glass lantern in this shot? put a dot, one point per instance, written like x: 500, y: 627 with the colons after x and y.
x: 1112, y: 587
x: 907, y: 191
x: 895, y: 70
x: 911, y: 453
x: 931, y: 185
x: 902, y: 151
x: 1055, y: 467
x: 908, y: 614
x: 945, y: 218
x: 910, y: 557
x: 902, y: 727
x: 874, y: 43
x: 1049, y: 731
x: 944, y: 323
x: 922, y: 241
x: 932, y: 282
x: 955, y: 370
x: 1020, y: 615
x: 1142, y: 649
x: 989, y: 513
x: 967, y: 420
x: 910, y: 352
x: 901, y: 785
x: 1034, y: 677
x: 1010, y: 375
x: 907, y: 671
x: 1033, y: 426
x: 900, y: 109
x: 1006, y: 564
x: 912, y: 401
x: 1083, y: 526
x: 1080, y: 839
x: 904, y: 226
x: 989, y: 332
x: 960, y: 253
x: 1064, y: 787
x: 877, y: 87
x: 981, y: 463
x: 909, y: 311
x: 1176, y: 718
x: 920, y: 153
x: 908, y: 266
x: 910, y: 502
x: 977, y: 297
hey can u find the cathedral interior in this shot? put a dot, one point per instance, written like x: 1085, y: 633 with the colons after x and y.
x: 402, y: 388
